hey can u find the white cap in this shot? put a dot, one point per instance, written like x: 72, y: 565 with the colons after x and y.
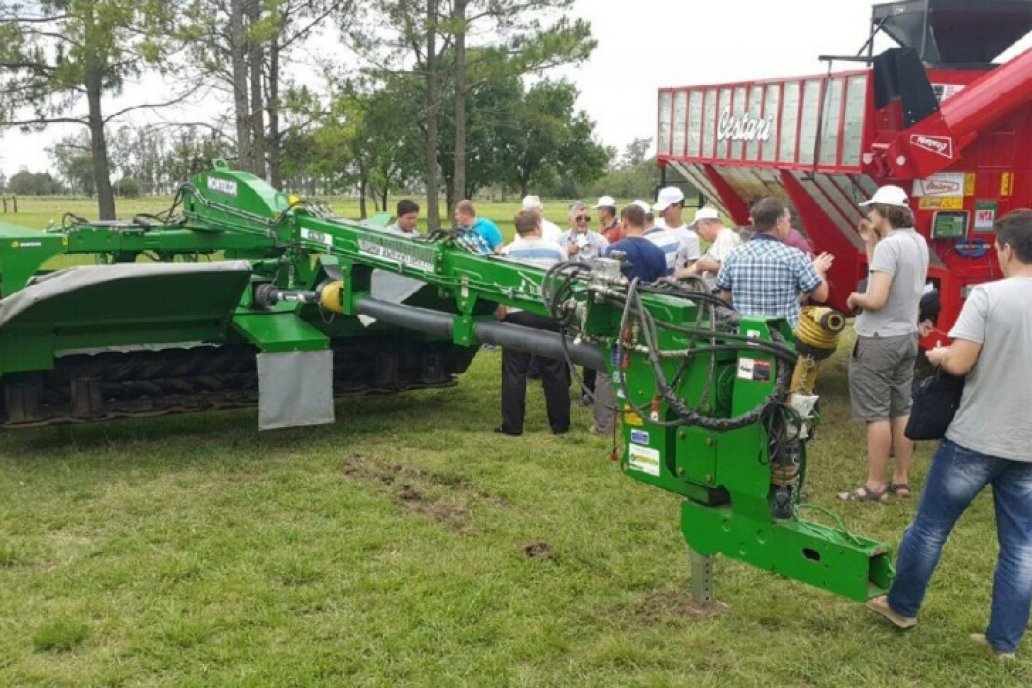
x: 889, y: 195
x: 532, y: 203
x: 605, y: 202
x: 705, y: 213
x: 668, y: 195
x: 644, y: 206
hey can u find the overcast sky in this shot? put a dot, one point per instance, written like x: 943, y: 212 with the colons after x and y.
x: 648, y: 44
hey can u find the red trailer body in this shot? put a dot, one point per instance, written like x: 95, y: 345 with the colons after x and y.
x: 824, y: 143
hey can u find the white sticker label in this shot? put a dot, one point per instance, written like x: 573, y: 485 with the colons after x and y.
x: 223, y: 186
x: 318, y: 237
x: 745, y: 368
x: 395, y: 254
x: 643, y: 459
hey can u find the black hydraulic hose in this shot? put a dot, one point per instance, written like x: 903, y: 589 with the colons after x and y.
x: 528, y: 339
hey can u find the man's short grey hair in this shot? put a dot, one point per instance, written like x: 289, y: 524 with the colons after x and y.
x: 577, y: 206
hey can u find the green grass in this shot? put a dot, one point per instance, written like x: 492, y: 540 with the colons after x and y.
x: 394, y: 548
x: 407, y: 544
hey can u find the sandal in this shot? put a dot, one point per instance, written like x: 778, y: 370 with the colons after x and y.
x: 864, y: 494
x: 901, y: 490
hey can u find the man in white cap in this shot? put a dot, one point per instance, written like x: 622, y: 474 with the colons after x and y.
x: 549, y: 230
x: 670, y: 224
x: 608, y: 223
x: 881, y: 368
x: 722, y: 241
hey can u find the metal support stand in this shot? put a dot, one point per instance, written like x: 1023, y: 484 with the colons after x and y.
x: 702, y: 579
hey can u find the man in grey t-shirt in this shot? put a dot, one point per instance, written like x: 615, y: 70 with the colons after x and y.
x: 881, y: 368
x: 989, y: 442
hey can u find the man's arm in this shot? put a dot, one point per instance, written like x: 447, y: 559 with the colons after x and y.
x: 726, y: 295
x: 958, y: 358
x: 877, y: 294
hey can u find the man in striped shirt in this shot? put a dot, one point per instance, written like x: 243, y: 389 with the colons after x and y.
x: 530, y: 248
x: 764, y: 276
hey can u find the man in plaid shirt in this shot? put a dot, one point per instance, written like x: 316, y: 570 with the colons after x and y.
x: 766, y: 277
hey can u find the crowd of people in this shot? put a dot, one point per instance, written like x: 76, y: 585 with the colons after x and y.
x: 769, y: 268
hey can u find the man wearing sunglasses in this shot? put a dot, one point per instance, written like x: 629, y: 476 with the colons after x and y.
x: 580, y: 242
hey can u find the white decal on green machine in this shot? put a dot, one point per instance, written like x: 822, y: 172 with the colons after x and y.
x: 418, y: 257
x: 643, y: 459
x: 222, y: 186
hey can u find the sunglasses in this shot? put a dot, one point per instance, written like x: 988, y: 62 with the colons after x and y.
x: 583, y: 218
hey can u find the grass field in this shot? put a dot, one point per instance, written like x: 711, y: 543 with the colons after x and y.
x: 407, y: 544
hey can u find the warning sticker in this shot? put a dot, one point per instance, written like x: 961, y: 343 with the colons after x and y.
x: 985, y: 215
x: 632, y: 418
x: 643, y: 459
x: 942, y: 203
x: 751, y: 369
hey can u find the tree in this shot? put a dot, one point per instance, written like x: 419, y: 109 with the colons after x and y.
x: 127, y: 187
x: 548, y: 138
x: 59, y: 53
x: 529, y: 44
x: 244, y: 45
x: 25, y: 183
x: 74, y: 162
x: 636, y: 152
x: 431, y: 39
x: 3, y: 182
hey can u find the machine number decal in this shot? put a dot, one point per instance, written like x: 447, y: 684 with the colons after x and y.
x: 639, y: 436
x: 643, y: 459
x: 317, y: 237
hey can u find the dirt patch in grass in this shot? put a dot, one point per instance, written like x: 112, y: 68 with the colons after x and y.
x: 673, y: 605
x: 540, y: 550
x: 420, y: 490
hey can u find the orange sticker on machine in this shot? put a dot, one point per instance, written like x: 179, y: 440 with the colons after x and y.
x: 632, y: 418
x: 969, y: 184
x: 1006, y: 183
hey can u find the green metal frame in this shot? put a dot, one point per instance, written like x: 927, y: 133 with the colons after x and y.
x: 725, y: 476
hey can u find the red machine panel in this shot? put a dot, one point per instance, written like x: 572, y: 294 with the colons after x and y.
x: 958, y: 138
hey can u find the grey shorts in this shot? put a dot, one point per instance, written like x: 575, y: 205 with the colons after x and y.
x: 881, y: 370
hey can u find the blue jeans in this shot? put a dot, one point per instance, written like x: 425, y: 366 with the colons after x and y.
x: 956, y: 476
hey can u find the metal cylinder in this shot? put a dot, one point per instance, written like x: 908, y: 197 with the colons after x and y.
x: 537, y: 342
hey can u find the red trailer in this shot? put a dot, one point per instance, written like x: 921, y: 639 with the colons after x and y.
x: 934, y: 116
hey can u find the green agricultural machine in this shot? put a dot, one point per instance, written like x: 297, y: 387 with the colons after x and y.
x: 241, y: 295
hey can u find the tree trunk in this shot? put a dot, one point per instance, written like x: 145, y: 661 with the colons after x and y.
x: 361, y: 199
x: 458, y: 187
x: 238, y: 63
x: 98, y: 146
x: 255, y: 67
x: 275, y: 176
x: 433, y: 110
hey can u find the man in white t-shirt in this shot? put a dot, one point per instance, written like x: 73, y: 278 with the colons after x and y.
x: 989, y: 442
x: 549, y: 230
x: 670, y: 206
x: 722, y: 241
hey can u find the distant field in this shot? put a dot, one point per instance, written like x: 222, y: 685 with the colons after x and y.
x: 409, y: 545
x: 37, y: 212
